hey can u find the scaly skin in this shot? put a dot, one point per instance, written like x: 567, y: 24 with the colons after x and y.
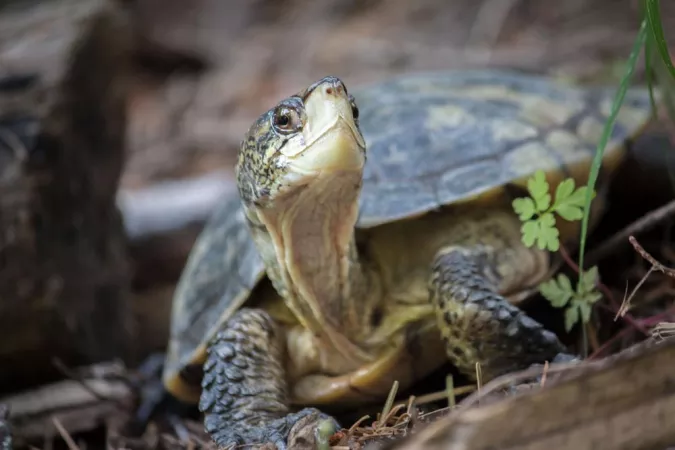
x: 301, y: 155
x: 480, y: 326
x: 245, y: 397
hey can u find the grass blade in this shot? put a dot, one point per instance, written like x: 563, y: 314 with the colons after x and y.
x: 653, y: 14
x: 606, y: 132
x: 450, y: 390
x: 390, y: 401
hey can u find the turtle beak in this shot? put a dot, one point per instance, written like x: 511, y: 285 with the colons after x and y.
x: 333, y: 141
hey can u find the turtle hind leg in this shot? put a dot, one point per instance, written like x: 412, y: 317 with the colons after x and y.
x: 244, y: 389
x: 478, y: 325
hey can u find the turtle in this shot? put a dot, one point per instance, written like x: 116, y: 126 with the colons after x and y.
x: 373, y: 239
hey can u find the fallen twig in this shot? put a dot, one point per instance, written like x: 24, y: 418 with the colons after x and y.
x: 65, y: 435
x: 655, y: 266
x: 643, y: 224
x: 649, y: 258
x: 101, y: 372
x: 76, y: 405
x: 663, y: 330
x: 625, y: 304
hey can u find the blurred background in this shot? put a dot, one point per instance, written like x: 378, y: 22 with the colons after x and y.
x: 209, y: 67
x: 248, y: 54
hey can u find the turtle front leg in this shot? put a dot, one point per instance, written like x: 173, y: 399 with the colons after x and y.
x: 477, y: 324
x: 244, y: 389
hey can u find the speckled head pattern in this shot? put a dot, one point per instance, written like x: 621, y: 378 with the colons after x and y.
x: 287, y: 141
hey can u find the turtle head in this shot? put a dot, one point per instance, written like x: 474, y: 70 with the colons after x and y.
x: 299, y: 175
x: 306, y: 138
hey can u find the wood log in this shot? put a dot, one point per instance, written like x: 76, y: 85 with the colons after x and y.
x: 626, y: 402
x: 64, y: 278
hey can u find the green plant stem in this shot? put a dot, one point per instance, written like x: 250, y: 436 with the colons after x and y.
x: 609, y: 125
x: 584, y: 340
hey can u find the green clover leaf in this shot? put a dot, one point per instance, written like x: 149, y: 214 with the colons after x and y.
x: 578, y: 198
x: 538, y: 188
x: 564, y: 190
x: 571, y: 205
x: 530, y: 232
x: 524, y: 207
x: 587, y: 280
x: 537, y: 213
x: 585, y: 310
x: 558, y: 292
x: 571, y: 317
x: 548, y: 234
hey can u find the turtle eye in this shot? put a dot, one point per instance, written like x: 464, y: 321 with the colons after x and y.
x: 286, y: 120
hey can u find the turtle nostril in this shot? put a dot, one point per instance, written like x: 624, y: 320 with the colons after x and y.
x: 335, y: 89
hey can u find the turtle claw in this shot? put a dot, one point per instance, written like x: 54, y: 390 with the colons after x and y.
x: 295, y: 430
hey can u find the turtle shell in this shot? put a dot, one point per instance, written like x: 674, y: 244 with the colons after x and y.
x: 433, y: 139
